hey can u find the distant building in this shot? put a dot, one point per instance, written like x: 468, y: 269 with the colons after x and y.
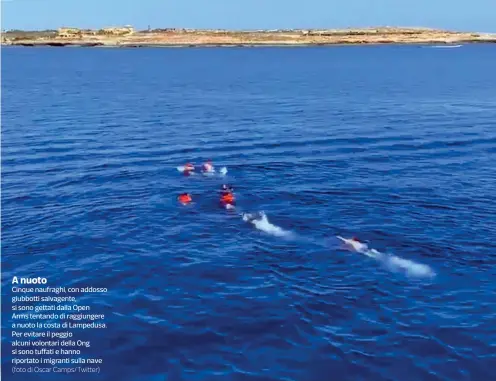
x: 69, y: 33
x: 126, y: 30
x: 89, y: 32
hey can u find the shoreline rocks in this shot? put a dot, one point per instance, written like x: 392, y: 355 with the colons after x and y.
x: 128, y: 37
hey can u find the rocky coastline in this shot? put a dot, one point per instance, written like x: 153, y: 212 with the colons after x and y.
x: 129, y: 37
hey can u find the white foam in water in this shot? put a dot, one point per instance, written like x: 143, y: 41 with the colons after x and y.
x: 213, y: 171
x: 392, y: 262
x: 446, y: 46
x: 222, y: 171
x: 411, y: 268
x: 261, y: 222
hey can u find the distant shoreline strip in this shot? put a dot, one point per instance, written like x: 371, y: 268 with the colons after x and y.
x: 235, y: 45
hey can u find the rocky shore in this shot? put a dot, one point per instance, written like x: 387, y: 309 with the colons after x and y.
x: 128, y: 37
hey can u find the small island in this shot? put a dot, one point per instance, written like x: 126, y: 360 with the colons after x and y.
x: 171, y: 37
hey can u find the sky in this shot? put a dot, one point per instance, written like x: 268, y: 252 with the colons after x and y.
x: 461, y: 15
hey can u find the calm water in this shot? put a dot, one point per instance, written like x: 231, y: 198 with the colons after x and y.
x: 395, y: 145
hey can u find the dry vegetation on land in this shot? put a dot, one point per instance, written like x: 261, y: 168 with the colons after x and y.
x: 128, y: 36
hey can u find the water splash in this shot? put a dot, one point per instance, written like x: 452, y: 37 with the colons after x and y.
x: 411, y: 268
x: 261, y: 222
x: 222, y: 171
x: 391, y: 262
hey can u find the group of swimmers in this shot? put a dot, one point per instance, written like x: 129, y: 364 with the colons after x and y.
x: 227, y: 198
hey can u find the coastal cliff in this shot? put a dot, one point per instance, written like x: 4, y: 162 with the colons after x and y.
x: 128, y: 37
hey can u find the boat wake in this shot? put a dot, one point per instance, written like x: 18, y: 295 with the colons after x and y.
x: 391, y: 262
x: 261, y: 222
x: 446, y: 46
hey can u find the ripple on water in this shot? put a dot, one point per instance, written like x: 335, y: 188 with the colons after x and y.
x: 334, y: 142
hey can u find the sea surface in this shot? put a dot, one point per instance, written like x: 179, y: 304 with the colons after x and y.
x: 395, y: 145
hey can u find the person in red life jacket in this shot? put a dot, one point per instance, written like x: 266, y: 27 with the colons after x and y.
x: 184, y: 198
x: 227, y: 195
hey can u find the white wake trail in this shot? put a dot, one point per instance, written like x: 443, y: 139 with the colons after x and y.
x: 261, y: 222
x: 446, y: 46
x: 411, y: 268
x: 392, y: 262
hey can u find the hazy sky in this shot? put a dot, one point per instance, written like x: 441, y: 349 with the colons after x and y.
x: 474, y: 15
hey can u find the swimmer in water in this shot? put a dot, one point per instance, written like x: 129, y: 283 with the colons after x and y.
x: 250, y: 217
x: 227, y: 198
x: 354, y: 243
x: 188, y: 168
x: 357, y: 245
x: 208, y: 166
x: 184, y: 198
x: 227, y: 188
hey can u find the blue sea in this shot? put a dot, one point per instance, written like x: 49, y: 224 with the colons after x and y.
x: 395, y: 145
